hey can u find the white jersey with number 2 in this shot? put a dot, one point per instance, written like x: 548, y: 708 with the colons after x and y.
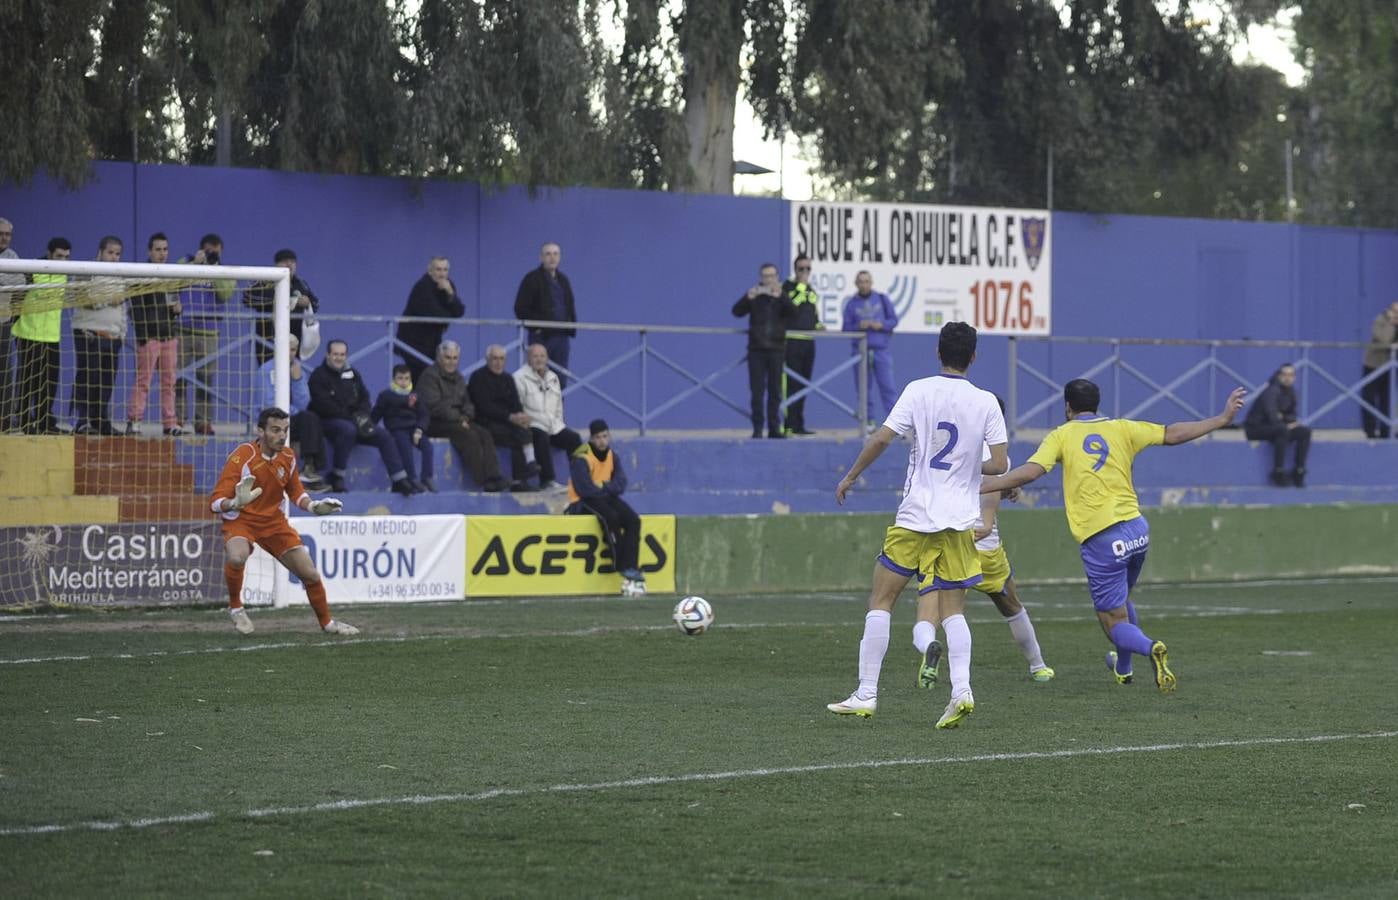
x: 952, y: 421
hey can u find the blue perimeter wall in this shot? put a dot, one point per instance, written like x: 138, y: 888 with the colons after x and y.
x: 681, y: 259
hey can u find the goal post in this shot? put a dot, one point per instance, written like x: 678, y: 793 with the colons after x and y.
x: 97, y: 514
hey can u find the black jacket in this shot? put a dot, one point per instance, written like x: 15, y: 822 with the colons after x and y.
x: 1276, y: 405
x: 338, y: 395
x: 805, y: 305
x: 426, y: 299
x: 534, y: 300
x: 495, y: 396
x: 768, y: 319
x: 152, y: 319
x: 263, y: 299
x: 400, y: 412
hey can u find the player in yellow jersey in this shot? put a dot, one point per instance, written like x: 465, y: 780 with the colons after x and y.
x: 1103, y: 514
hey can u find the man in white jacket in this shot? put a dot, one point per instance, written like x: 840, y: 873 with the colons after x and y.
x: 541, y: 395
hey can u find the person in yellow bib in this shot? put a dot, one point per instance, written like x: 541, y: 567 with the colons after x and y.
x: 596, y: 486
x: 1096, y: 453
x: 37, y: 334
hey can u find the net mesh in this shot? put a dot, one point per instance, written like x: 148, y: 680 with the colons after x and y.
x: 120, y: 398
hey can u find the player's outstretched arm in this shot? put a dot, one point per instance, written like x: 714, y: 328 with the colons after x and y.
x: 1184, y: 432
x: 874, y: 447
x: 1019, y: 475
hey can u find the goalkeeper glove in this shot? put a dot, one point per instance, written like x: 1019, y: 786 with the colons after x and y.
x: 246, y: 492
x: 325, y: 507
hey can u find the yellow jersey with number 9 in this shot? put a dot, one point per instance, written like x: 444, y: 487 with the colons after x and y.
x: 1097, y: 453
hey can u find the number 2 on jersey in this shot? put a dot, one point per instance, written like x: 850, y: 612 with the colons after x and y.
x: 951, y: 431
x: 1096, y: 445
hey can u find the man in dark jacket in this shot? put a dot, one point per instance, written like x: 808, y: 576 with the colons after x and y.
x: 768, y: 310
x: 1273, y: 418
x: 546, y: 295
x: 339, y: 397
x: 443, y: 391
x: 800, y: 348
x: 498, y: 408
x: 262, y: 299
x: 433, y: 296
x: 595, y: 486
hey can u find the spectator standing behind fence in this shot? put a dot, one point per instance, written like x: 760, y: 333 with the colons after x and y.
x: 339, y: 397
x: 263, y: 300
x: 153, y: 320
x: 1272, y: 418
x: 38, y: 331
x: 498, y: 408
x: 99, y: 331
x: 541, y: 396
x: 307, y: 435
x: 433, y: 296
x: 596, y: 484
x: 7, y: 300
x: 442, y: 389
x: 1383, y: 339
x: 201, y: 309
x: 546, y: 294
x: 871, y: 312
x: 769, y: 310
x: 405, y: 416
x: 800, y: 348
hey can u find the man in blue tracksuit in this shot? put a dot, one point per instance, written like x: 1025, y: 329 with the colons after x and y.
x: 872, y: 313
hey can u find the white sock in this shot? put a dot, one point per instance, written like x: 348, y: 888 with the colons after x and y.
x: 1023, y: 631
x: 871, y: 652
x: 958, y: 653
x: 528, y: 452
x: 924, y: 633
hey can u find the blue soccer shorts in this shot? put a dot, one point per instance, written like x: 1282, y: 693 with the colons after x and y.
x: 1113, y: 558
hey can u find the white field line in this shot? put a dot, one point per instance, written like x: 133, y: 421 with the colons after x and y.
x: 666, y: 780
x: 594, y: 631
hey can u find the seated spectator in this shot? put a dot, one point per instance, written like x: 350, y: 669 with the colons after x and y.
x: 153, y: 319
x: 432, y: 296
x: 405, y: 416
x: 443, y: 391
x: 339, y: 397
x: 541, y: 396
x: 306, y: 431
x: 1272, y: 418
x: 99, y: 331
x: 596, y: 486
x: 262, y: 299
x: 498, y: 408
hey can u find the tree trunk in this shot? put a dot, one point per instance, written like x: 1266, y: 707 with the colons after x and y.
x: 712, y: 44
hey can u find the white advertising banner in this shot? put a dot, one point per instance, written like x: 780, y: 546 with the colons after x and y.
x: 373, y: 559
x: 988, y: 266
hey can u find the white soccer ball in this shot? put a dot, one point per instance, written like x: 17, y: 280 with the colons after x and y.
x: 693, y: 615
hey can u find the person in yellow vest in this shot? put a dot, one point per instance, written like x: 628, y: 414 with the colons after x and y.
x: 37, y: 333
x: 800, y: 348
x: 596, y: 486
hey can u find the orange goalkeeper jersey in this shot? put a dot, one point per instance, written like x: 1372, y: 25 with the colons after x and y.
x: 277, y: 477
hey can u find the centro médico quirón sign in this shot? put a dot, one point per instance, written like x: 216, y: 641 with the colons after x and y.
x: 989, y: 266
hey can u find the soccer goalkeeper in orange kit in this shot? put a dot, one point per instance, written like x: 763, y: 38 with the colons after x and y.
x: 257, y: 477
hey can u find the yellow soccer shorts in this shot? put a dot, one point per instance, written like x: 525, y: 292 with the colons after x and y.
x: 942, y: 560
x: 995, y: 567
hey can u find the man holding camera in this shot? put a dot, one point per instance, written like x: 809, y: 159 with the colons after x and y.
x: 339, y: 397
x: 304, y: 305
x: 201, y: 309
x: 769, y: 310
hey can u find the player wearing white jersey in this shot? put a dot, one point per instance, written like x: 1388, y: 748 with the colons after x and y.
x: 997, y: 583
x: 932, y: 534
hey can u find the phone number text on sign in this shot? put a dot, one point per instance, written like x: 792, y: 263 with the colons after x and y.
x: 988, y: 266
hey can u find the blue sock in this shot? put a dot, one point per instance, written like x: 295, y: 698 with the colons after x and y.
x: 1129, y: 639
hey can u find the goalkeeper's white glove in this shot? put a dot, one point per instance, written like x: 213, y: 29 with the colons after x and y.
x: 246, y: 492
x: 325, y: 507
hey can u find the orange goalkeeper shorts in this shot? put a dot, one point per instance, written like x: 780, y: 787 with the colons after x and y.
x: 275, y: 539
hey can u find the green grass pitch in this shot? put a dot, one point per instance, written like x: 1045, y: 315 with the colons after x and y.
x: 586, y: 748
